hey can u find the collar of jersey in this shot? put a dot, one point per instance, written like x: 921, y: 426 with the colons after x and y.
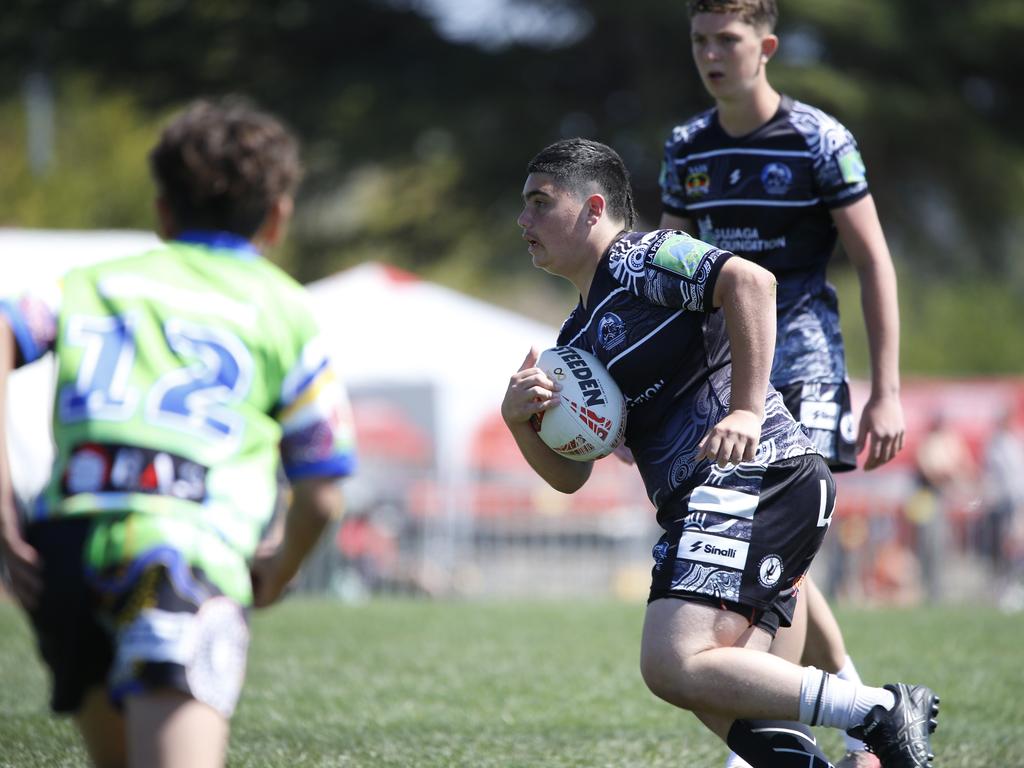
x: 221, y: 241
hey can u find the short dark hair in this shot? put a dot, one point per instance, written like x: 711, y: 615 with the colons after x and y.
x: 575, y: 163
x: 757, y: 13
x: 221, y: 164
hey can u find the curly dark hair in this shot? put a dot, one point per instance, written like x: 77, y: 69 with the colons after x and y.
x: 758, y: 13
x: 220, y: 164
x: 575, y: 163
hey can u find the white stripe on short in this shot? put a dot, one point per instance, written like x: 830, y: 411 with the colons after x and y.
x: 708, y: 498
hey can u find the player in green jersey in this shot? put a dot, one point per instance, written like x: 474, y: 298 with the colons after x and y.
x: 185, y: 377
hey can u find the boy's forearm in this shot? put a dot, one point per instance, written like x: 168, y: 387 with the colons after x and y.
x: 315, y: 504
x: 880, y: 306
x: 560, y: 473
x: 860, y: 232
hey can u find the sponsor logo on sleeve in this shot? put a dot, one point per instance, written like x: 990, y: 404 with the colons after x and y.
x: 681, y: 255
x: 851, y: 166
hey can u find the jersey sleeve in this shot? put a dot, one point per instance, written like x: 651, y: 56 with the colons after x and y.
x: 318, y: 433
x: 668, y: 268
x: 838, y: 168
x: 33, y: 319
x: 673, y: 194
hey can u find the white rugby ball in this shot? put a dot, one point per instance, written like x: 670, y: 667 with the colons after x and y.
x: 590, y: 422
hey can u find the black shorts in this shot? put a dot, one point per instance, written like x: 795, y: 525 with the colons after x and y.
x: 745, y: 538
x: 824, y: 411
x: 153, y: 622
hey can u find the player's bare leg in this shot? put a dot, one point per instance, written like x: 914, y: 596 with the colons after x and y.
x: 689, y: 658
x: 815, y: 640
x: 824, y: 648
x: 102, y: 729
x: 167, y: 729
x: 789, y: 645
x: 722, y: 726
x: 716, y: 664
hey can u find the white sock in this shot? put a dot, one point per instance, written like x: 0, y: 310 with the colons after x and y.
x: 827, y: 700
x: 735, y: 761
x: 849, y: 674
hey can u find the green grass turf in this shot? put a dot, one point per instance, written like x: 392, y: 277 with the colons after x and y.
x: 524, y: 684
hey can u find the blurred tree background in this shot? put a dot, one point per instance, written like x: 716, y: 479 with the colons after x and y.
x: 418, y: 117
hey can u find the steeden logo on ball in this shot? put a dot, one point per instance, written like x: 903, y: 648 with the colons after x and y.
x: 590, y: 422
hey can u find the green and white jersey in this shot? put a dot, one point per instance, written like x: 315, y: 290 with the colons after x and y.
x: 185, y: 376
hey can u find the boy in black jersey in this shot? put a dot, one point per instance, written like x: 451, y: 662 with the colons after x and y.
x: 773, y: 179
x: 742, y: 494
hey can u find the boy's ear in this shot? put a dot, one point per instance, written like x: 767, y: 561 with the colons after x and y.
x: 595, y: 208
x: 275, y: 225
x: 769, y: 45
x: 167, y: 228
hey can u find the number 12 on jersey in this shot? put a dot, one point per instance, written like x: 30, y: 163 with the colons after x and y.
x: 194, y: 397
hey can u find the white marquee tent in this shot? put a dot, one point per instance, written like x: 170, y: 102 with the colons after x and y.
x: 386, y: 325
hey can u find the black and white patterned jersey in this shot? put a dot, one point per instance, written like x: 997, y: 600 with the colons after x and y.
x: 650, y: 320
x: 766, y: 196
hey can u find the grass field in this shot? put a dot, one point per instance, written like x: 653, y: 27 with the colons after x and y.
x: 524, y: 684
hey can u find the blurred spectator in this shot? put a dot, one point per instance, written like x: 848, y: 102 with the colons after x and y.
x: 944, y: 471
x: 845, y: 545
x: 374, y: 543
x: 370, y: 546
x: 1003, y: 498
x: 895, y: 575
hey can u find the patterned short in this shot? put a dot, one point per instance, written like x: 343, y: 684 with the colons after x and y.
x: 151, y: 622
x: 826, y: 415
x: 744, y: 539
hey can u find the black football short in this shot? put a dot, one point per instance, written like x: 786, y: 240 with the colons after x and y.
x: 744, y: 539
x: 152, y: 622
x: 71, y: 640
x: 824, y: 411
